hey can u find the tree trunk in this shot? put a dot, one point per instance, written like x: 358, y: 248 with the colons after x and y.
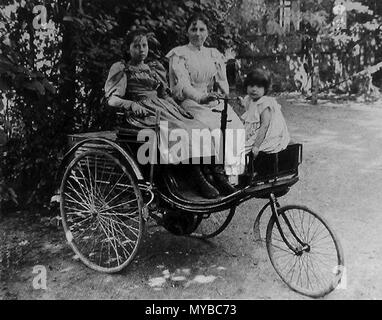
x: 316, y: 74
x: 67, y: 89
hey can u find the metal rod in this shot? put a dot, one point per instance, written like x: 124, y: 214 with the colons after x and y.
x: 156, y: 146
x: 223, y: 125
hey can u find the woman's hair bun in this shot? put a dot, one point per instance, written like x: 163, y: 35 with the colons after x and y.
x: 198, y: 16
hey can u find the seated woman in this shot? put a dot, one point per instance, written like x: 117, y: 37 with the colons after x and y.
x: 194, y: 72
x: 141, y: 89
x: 264, y: 123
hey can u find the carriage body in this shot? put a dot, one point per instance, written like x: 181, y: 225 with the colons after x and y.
x: 107, y: 196
x: 268, y: 173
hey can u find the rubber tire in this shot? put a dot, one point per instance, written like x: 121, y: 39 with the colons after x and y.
x: 340, y: 255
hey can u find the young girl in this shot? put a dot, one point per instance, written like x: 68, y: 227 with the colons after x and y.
x: 264, y: 123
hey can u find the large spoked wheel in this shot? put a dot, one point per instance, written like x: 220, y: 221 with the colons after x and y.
x: 215, y: 224
x: 101, y: 209
x: 313, y: 263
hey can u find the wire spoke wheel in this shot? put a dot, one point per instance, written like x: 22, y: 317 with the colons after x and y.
x: 101, y: 207
x: 215, y: 224
x: 314, y: 262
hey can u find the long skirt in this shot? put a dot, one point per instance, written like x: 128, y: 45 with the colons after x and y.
x: 183, y: 138
x: 234, y: 162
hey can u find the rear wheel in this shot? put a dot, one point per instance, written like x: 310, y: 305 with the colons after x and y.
x: 313, y: 263
x: 101, y: 209
x: 215, y: 224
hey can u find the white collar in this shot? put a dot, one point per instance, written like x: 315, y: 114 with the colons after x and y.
x: 194, y: 48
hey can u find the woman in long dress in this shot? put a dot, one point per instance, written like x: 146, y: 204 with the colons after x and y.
x: 140, y: 88
x: 194, y: 71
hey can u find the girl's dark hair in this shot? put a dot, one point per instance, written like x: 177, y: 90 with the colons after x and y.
x: 258, y: 77
x: 130, y: 36
x: 196, y: 17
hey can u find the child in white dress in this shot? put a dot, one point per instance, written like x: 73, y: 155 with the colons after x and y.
x: 264, y: 124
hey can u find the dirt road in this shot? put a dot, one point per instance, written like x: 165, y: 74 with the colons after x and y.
x: 341, y: 177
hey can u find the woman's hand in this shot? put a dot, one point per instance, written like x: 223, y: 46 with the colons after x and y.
x: 138, y: 109
x: 212, y: 96
x: 134, y: 107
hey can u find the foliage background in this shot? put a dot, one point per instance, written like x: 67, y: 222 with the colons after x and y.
x: 51, y: 78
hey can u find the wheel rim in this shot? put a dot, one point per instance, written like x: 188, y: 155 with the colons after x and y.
x: 214, y: 224
x: 101, y: 211
x: 316, y: 266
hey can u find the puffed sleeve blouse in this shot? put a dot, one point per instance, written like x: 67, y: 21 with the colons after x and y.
x: 116, y: 82
x: 123, y: 79
x: 194, y: 71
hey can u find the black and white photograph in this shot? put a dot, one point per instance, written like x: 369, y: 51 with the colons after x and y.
x: 200, y: 152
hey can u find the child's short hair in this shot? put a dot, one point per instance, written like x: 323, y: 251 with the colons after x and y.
x: 258, y: 77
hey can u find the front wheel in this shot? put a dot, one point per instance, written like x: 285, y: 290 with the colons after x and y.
x: 307, y: 254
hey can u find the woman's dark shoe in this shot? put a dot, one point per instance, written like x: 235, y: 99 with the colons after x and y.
x: 204, y: 187
x: 208, y: 174
x: 221, y: 181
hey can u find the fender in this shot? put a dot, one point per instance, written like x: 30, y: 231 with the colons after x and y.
x: 126, y: 155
